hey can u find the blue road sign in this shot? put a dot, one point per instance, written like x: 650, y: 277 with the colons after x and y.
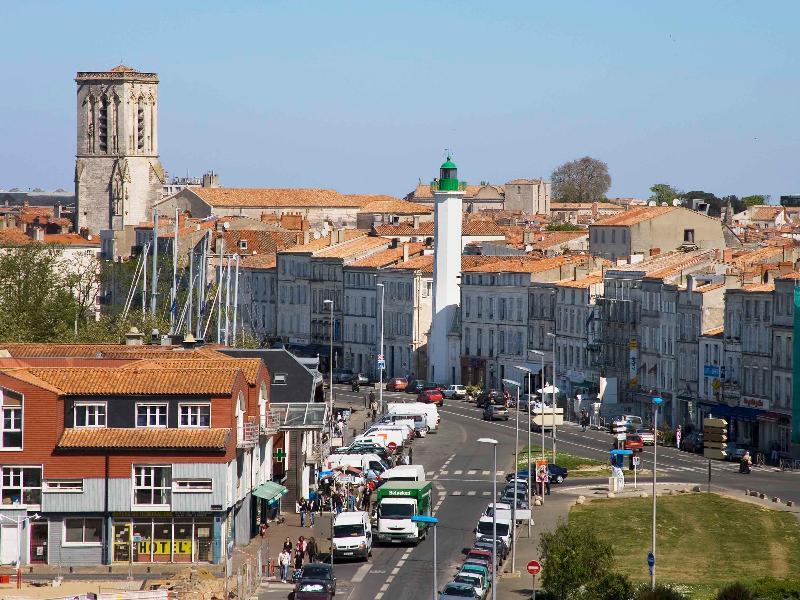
x: 381, y: 364
x: 651, y: 560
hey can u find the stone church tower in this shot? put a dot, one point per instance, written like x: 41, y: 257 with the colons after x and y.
x: 118, y: 176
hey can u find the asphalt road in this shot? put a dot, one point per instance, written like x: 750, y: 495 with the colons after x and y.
x: 461, y: 471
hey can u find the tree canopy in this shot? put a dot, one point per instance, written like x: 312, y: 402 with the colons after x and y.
x: 663, y: 192
x: 582, y: 180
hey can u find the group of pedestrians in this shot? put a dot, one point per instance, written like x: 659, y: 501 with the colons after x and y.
x: 296, y: 554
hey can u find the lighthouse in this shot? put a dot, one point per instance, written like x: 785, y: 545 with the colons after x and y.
x: 447, y: 197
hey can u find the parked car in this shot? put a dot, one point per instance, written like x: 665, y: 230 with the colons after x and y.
x: 647, y: 435
x: 500, y: 547
x: 495, y: 412
x: 482, y: 555
x: 491, y: 396
x: 456, y: 392
x: 522, y: 499
x: 557, y: 474
x: 362, y: 379
x: 692, y: 442
x: 313, y: 589
x: 633, y: 442
x: 433, y: 385
x: 457, y: 590
x: 431, y: 396
x: 342, y: 375
x: 317, y: 572
x: 735, y: 451
x: 480, y: 584
x: 415, y: 386
x: 397, y: 384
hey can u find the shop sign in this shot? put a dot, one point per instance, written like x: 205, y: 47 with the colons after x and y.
x: 165, y: 547
x: 750, y: 402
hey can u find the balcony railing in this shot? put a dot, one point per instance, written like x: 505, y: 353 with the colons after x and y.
x: 270, y: 423
x: 247, y: 434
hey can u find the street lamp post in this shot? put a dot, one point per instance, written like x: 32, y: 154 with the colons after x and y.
x: 541, y: 354
x: 657, y: 400
x: 430, y: 521
x: 553, y: 396
x: 330, y: 369
x: 516, y: 466
x: 493, y: 442
x: 380, y: 370
x: 529, y: 372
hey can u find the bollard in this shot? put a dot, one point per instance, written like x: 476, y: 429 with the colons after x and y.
x: 776, y: 499
x: 789, y: 503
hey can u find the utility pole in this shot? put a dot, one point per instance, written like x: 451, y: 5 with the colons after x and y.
x: 144, y: 280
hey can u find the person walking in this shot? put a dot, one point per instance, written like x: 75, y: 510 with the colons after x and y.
x: 312, y: 550
x: 287, y: 545
x: 284, y: 558
x: 303, y: 509
x: 298, y: 560
x: 678, y: 437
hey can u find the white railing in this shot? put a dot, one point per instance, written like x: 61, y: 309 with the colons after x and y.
x: 247, y: 435
x: 270, y: 422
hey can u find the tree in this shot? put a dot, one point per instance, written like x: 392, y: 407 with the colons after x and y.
x: 664, y: 193
x: 755, y: 200
x: 583, y: 180
x: 573, y: 557
x: 564, y: 227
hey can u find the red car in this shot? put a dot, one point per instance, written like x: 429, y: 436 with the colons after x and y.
x: 433, y: 396
x: 633, y: 442
x: 397, y: 384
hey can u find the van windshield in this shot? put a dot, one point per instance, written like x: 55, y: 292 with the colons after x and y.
x: 396, y: 511
x: 406, y: 478
x: 485, y: 528
x: 354, y: 530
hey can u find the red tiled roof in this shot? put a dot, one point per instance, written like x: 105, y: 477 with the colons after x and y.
x: 352, y: 248
x: 249, y: 366
x: 518, y: 264
x: 389, y: 256
x: 270, y: 197
x: 70, y: 239
x: 145, y: 437
x: 323, y: 242
x: 583, y: 282
x: 766, y: 213
x: 636, y: 215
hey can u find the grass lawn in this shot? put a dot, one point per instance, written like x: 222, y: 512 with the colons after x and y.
x: 703, y: 539
x: 578, y: 466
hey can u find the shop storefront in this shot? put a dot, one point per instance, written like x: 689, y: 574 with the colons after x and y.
x: 163, y: 537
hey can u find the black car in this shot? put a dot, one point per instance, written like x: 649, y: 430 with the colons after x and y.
x: 415, y: 386
x: 488, y: 397
x: 557, y: 474
x: 692, y: 442
x: 500, y: 547
x: 317, y: 572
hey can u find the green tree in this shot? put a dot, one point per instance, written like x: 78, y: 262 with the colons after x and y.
x: 582, y: 180
x: 573, y: 557
x: 564, y: 227
x: 755, y: 200
x: 663, y: 192
x: 735, y: 591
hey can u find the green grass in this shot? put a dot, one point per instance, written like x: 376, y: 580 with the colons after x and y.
x: 578, y: 466
x: 704, y: 540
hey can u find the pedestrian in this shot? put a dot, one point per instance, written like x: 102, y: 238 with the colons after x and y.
x: 351, y: 501
x: 312, y: 550
x: 262, y: 529
x: 284, y: 558
x: 287, y: 545
x: 303, y: 508
x: 302, y: 546
x: 298, y: 560
x: 365, y: 499
x: 678, y: 437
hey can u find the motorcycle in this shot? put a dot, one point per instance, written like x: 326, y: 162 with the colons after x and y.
x: 745, y: 467
x: 355, y: 386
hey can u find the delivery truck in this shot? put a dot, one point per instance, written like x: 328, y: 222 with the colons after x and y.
x: 398, y: 501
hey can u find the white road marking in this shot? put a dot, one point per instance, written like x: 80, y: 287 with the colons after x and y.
x: 487, y: 493
x: 455, y: 493
x: 443, y: 472
x: 401, y: 562
x: 429, y: 473
x: 459, y: 472
x: 378, y: 596
x: 471, y: 493
x: 395, y: 571
x: 486, y: 472
x: 471, y: 472
x: 361, y: 573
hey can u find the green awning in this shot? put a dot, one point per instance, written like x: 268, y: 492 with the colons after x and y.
x: 270, y: 491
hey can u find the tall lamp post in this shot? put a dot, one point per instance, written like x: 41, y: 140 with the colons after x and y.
x: 382, y: 357
x: 529, y: 372
x: 493, y: 442
x: 330, y: 368
x: 430, y: 521
x: 657, y: 401
x: 517, y: 385
x: 553, y: 395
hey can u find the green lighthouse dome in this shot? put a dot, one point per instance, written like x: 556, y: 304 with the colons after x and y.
x: 448, y: 176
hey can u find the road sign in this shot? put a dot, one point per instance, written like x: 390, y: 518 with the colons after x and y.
x: 621, y: 436
x: 542, y: 472
x: 392, y: 446
x: 381, y: 357
x: 637, y: 461
x: 715, y: 438
x: 381, y: 363
x: 651, y: 559
x: 710, y: 371
x: 534, y: 567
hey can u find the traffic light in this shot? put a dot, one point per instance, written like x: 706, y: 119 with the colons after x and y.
x: 715, y: 438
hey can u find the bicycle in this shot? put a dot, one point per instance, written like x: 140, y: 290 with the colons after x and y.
x: 787, y: 464
x: 759, y: 462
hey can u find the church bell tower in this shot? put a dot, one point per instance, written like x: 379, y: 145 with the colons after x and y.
x: 118, y: 177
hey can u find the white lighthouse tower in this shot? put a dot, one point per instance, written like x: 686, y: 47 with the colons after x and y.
x: 448, y: 197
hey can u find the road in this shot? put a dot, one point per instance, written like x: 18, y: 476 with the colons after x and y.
x: 461, y: 471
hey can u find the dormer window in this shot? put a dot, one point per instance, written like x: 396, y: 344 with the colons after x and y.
x: 242, y: 244
x: 151, y: 415
x: 90, y: 414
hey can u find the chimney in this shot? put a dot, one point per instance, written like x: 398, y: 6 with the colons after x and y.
x: 655, y: 251
x: 188, y: 341
x: 134, y: 337
x: 690, y: 283
x: 393, y: 243
x: 38, y: 234
x: 594, y: 211
x: 306, y: 236
x: 181, y: 220
x: 405, y: 252
x: 57, y: 210
x: 415, y: 221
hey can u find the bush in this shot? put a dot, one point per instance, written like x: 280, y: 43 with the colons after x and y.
x: 776, y: 589
x: 661, y: 592
x: 612, y: 586
x: 735, y: 591
x: 574, y: 557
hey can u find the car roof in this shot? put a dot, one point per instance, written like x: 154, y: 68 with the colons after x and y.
x: 349, y: 517
x: 457, y: 585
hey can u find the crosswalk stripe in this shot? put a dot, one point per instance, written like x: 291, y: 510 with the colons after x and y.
x: 501, y: 473
x: 459, y: 472
x: 471, y: 472
x: 486, y: 472
x: 456, y: 493
x: 361, y: 573
x: 471, y: 493
x: 487, y: 493
x: 429, y: 473
x: 444, y: 472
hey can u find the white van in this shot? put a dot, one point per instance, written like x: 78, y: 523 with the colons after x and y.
x: 352, y: 535
x: 362, y: 461
x: 417, y: 408
x: 484, y: 529
x: 389, y: 434
x: 418, y: 421
x: 405, y: 473
x: 405, y: 430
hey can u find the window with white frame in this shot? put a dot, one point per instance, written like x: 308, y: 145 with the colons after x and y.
x: 21, y: 485
x: 151, y: 415
x: 152, y: 486
x: 83, y: 532
x: 90, y: 414
x: 194, y: 415
x: 63, y: 485
x: 192, y: 485
x: 11, y: 422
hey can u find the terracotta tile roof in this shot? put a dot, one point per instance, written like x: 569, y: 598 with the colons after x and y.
x: 272, y: 197
x: 249, y: 366
x: 709, y: 287
x: 13, y: 237
x: 792, y: 275
x: 714, y: 332
x: 425, y: 229
x: 149, y: 438
x: 70, y: 239
x: 667, y: 264
x: 352, y: 249
x: 423, y: 191
x: 757, y: 256
x: 604, y: 206
x: 323, y: 242
x: 556, y: 238
x: 389, y: 256
x: 636, y: 215
x: 24, y: 350
x: 389, y: 205
x: 518, y: 264
x: 258, y: 261
x: 98, y: 381
x: 422, y: 263
x: 582, y: 283
x: 766, y: 213
x: 258, y: 242
x: 759, y: 287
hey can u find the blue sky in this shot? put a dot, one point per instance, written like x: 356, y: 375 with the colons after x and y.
x: 364, y: 96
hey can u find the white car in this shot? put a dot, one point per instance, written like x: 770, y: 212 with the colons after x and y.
x: 456, y: 391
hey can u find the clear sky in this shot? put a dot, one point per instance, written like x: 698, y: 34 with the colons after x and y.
x: 364, y: 96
